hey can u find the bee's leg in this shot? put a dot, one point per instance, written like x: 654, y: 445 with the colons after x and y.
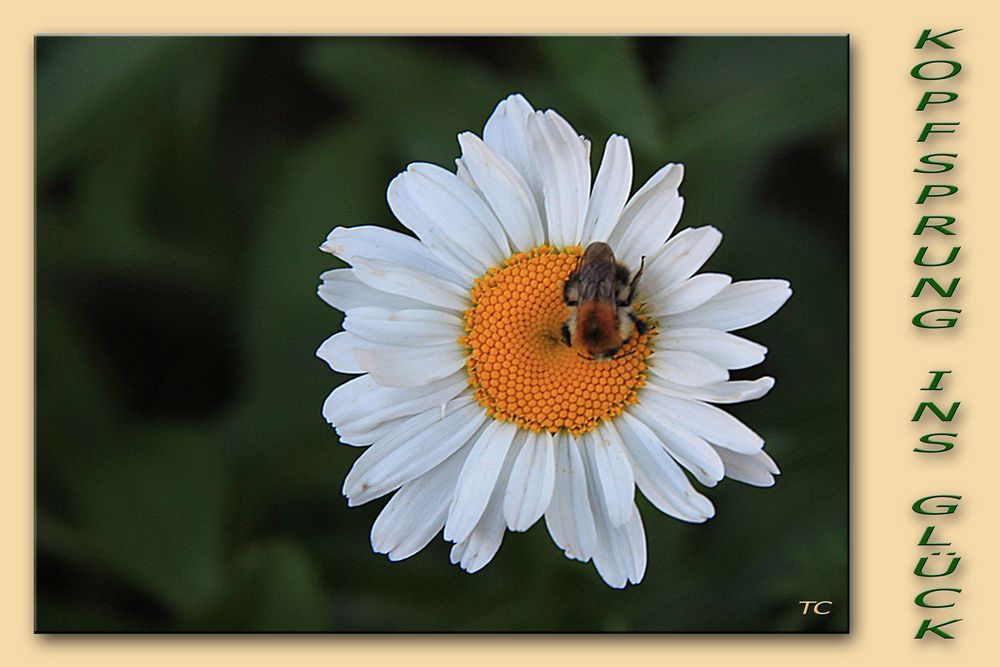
x: 640, y: 326
x: 635, y: 281
x: 565, y: 335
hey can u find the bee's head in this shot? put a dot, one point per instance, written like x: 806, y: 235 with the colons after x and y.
x: 610, y: 354
x: 604, y: 354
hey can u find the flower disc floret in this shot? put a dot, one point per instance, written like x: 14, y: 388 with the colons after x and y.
x: 519, y: 367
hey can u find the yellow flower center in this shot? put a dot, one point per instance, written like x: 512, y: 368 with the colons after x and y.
x: 519, y: 367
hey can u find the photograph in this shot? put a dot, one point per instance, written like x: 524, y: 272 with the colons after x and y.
x: 442, y: 334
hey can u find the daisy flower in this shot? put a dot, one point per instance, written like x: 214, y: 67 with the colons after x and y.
x: 475, y: 413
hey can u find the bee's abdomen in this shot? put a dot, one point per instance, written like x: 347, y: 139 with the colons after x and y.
x: 597, y: 327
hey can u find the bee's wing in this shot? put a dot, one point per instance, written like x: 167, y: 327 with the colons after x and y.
x: 597, y: 282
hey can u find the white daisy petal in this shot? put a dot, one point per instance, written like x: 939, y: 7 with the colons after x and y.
x: 686, y: 368
x: 398, y: 366
x: 689, y: 294
x: 346, y: 400
x: 416, y: 513
x: 426, y: 440
x: 723, y: 348
x: 659, y: 477
x: 531, y: 482
x: 505, y: 190
x: 668, y: 177
x: 349, y: 243
x: 647, y: 222
x: 362, y: 403
x: 506, y: 133
x: 678, y: 259
x: 466, y: 217
x: 338, y: 352
x: 342, y: 290
x: 463, y: 175
x: 738, y: 306
x: 736, y: 391
x: 611, y: 188
x: 365, y: 432
x: 757, y: 469
x: 410, y: 283
x: 687, y: 448
x: 569, y: 518
x: 408, y: 198
x: 623, y: 552
x: 564, y: 173
x: 706, y: 421
x: 649, y: 229
x: 404, y: 327
x: 478, y: 479
x: 477, y: 550
x: 611, y: 475
x: 364, y: 436
x: 765, y: 460
x: 620, y: 553
x: 635, y: 539
x: 656, y: 193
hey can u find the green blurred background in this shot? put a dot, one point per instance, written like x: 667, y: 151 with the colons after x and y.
x: 186, y: 480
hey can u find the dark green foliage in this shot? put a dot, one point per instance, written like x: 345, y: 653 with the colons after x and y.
x: 186, y: 480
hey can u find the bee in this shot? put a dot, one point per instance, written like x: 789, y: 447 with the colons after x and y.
x: 599, y: 293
